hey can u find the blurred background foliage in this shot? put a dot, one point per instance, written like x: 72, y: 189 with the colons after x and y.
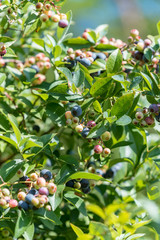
x: 121, y: 15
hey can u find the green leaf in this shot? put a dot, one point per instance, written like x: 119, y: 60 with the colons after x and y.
x: 147, y: 80
x: 105, y: 47
x: 14, y: 125
x: 57, y: 198
x: 158, y: 27
x: 78, y: 77
x: 86, y: 176
x: 9, y: 140
x: 99, y: 229
x: 114, y: 61
x: 118, y: 160
x: 101, y: 31
x: 57, y: 50
x: 9, y: 169
x: 76, y: 201
x: 66, y: 72
x: 2, y: 77
x: 136, y: 236
x: 122, y: 105
x: 10, y: 53
x: 31, y: 26
x: 97, y: 106
x: 7, y: 41
x: 96, y: 210
x: 23, y: 222
x: 29, y: 232
x: 100, y: 87
x: 77, y: 230
x: 38, y: 43
x: 78, y: 43
x: 124, y: 120
x: 49, y: 215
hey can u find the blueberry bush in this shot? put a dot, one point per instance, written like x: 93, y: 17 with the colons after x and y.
x: 79, y: 128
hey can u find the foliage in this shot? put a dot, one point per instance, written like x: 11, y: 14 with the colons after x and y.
x: 88, y: 110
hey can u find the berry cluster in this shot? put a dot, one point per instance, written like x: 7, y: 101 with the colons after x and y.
x: 146, y: 117
x: 86, y: 58
x: 40, y: 63
x: 83, y: 185
x: 46, y: 13
x: 39, y: 187
x: 104, y: 40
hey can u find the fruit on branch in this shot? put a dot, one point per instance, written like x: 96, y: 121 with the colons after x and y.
x: 46, y: 174
x: 76, y: 111
x: 44, y: 17
x: 98, y: 149
x: 63, y: 23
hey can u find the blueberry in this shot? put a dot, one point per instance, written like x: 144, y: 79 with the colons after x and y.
x: 70, y: 184
x: 158, y: 118
x: 85, y: 132
x: 84, y: 61
x: 63, y: 23
x: 35, y: 67
x: 70, y: 64
x: 86, y: 190
x: 84, y: 183
x: 138, y: 55
x: 36, y: 128
x: 153, y: 108
x: 23, y: 205
x: 48, y: 163
x: 94, y: 55
x: 76, y: 111
x: 24, y: 178
x: 100, y: 56
x: 46, y: 174
x: 29, y: 197
x: 109, y: 173
x: 33, y: 191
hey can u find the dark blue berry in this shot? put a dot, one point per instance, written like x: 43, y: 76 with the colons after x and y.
x: 33, y: 191
x: 84, y: 61
x: 153, y: 108
x: 29, y: 197
x: 84, y: 183
x: 94, y: 55
x: 70, y: 184
x: 23, y: 205
x: 109, y: 173
x: 36, y: 128
x: 76, y: 111
x: 138, y: 55
x: 86, y: 190
x: 70, y: 64
x: 91, y: 164
x: 85, y: 132
x: 46, y: 174
x: 100, y: 56
x: 35, y: 67
x: 24, y: 178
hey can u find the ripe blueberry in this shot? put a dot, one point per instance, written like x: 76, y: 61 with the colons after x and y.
x: 23, y: 205
x: 46, y: 174
x: 70, y: 184
x: 85, y: 132
x: 84, y: 183
x: 84, y: 61
x: 153, y: 108
x: 29, y: 197
x: 35, y: 67
x: 33, y: 191
x: 86, y: 190
x: 76, y: 111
